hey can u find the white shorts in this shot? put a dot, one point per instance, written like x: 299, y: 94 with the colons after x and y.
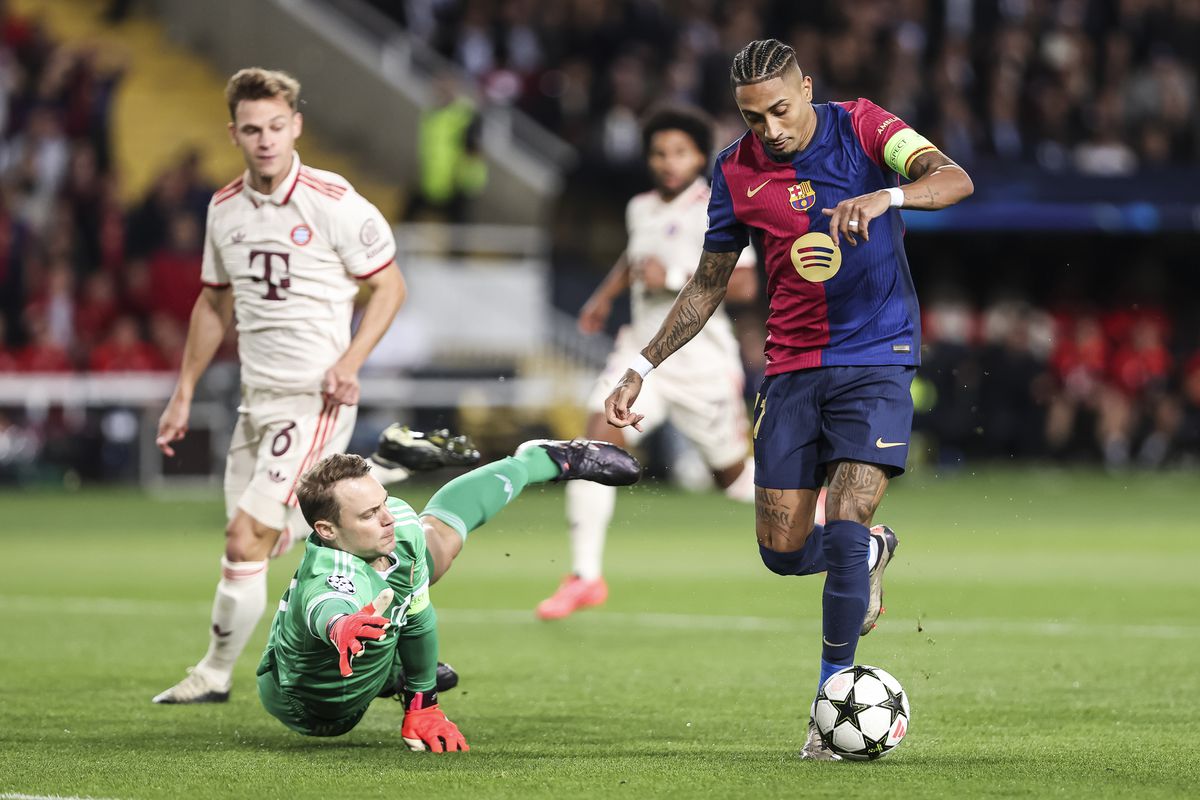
x: 277, y: 438
x: 705, y: 404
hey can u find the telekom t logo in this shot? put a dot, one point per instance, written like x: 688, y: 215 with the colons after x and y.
x: 276, y: 272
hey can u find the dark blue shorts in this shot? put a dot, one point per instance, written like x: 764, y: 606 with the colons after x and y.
x: 807, y: 419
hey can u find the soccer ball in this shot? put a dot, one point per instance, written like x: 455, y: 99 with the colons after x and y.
x: 862, y: 712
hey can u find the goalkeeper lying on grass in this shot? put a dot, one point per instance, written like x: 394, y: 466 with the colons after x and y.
x: 357, y: 615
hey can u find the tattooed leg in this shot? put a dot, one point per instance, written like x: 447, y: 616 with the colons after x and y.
x: 696, y: 302
x: 855, y: 491
x: 788, y: 542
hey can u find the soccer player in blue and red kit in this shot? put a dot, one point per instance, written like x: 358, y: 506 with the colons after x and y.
x: 817, y: 185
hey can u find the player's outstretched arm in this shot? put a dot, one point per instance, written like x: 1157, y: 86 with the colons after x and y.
x: 937, y: 182
x: 697, y: 301
x: 211, y: 315
x: 347, y: 632
x: 595, y: 312
x: 388, y: 291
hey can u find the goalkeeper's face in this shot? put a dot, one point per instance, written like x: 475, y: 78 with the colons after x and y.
x: 365, y: 527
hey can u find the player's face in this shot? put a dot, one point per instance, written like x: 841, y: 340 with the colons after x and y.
x: 674, y: 160
x: 366, y: 528
x: 266, y: 132
x: 779, y: 111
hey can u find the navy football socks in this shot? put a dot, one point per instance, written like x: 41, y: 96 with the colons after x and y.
x: 847, y: 590
x: 808, y: 560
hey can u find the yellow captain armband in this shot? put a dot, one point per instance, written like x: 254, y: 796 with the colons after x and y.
x: 420, y: 601
x: 903, y: 147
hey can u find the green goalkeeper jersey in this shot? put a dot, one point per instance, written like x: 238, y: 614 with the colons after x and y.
x: 332, y: 582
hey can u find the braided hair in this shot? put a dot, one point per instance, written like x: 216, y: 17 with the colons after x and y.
x: 761, y: 60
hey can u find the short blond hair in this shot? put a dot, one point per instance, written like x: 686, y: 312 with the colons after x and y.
x: 256, y: 83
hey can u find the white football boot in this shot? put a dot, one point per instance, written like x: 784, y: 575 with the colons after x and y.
x: 815, y: 748
x: 885, y: 543
x: 198, y: 687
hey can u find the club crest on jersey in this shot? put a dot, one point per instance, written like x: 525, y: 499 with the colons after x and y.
x: 801, y: 196
x: 301, y: 235
x: 340, y: 583
x: 369, y: 233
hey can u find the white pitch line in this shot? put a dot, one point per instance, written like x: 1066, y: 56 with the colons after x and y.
x: 18, y: 796
x: 893, y: 625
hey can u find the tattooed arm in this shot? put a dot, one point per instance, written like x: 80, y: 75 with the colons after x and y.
x: 696, y: 302
x: 937, y: 182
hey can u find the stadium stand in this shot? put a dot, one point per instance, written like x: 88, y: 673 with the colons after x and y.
x: 94, y: 281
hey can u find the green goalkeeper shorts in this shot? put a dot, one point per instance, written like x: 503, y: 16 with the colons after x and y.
x: 292, y: 713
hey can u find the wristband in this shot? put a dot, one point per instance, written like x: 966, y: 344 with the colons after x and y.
x: 641, y: 365
x: 415, y: 701
x: 897, y: 195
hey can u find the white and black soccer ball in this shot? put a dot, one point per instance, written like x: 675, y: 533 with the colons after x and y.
x: 862, y: 712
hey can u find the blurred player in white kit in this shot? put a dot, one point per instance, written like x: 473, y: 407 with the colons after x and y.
x: 700, y: 389
x: 285, y: 252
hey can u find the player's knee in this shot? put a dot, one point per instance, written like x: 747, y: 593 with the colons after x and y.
x: 777, y: 562
x: 846, y: 506
x: 248, y: 540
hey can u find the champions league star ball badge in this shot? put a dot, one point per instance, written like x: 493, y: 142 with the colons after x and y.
x: 301, y: 235
x: 341, y: 583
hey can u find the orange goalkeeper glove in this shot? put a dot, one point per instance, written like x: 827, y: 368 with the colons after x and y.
x: 348, y: 631
x: 426, y: 727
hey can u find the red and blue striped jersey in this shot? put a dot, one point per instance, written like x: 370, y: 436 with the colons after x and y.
x: 830, y: 305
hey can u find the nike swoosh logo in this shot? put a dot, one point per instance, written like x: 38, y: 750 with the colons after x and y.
x: 881, y: 444
x: 751, y: 192
x: 831, y: 644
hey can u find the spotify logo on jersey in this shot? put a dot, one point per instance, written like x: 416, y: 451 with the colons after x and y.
x: 816, y: 257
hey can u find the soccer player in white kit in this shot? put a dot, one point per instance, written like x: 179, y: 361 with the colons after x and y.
x: 285, y: 252
x: 702, y: 394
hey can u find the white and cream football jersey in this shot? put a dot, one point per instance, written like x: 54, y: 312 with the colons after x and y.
x: 673, y: 232
x: 293, y: 259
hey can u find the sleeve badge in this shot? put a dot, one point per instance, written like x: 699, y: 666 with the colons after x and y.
x: 341, y: 583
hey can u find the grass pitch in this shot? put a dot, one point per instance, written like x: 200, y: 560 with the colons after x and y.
x: 1044, y: 625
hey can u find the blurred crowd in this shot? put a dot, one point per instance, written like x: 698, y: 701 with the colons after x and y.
x: 1080, y: 383
x: 84, y: 282
x: 90, y: 284
x: 1073, y: 382
x: 1098, y: 86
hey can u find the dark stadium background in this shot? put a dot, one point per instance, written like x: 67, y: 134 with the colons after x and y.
x: 1059, y: 302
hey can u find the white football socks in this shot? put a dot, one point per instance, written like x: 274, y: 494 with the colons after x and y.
x: 742, y: 489
x: 239, y: 603
x: 589, y: 510
x: 873, y: 553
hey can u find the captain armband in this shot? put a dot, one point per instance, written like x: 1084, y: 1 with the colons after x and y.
x: 903, y: 148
